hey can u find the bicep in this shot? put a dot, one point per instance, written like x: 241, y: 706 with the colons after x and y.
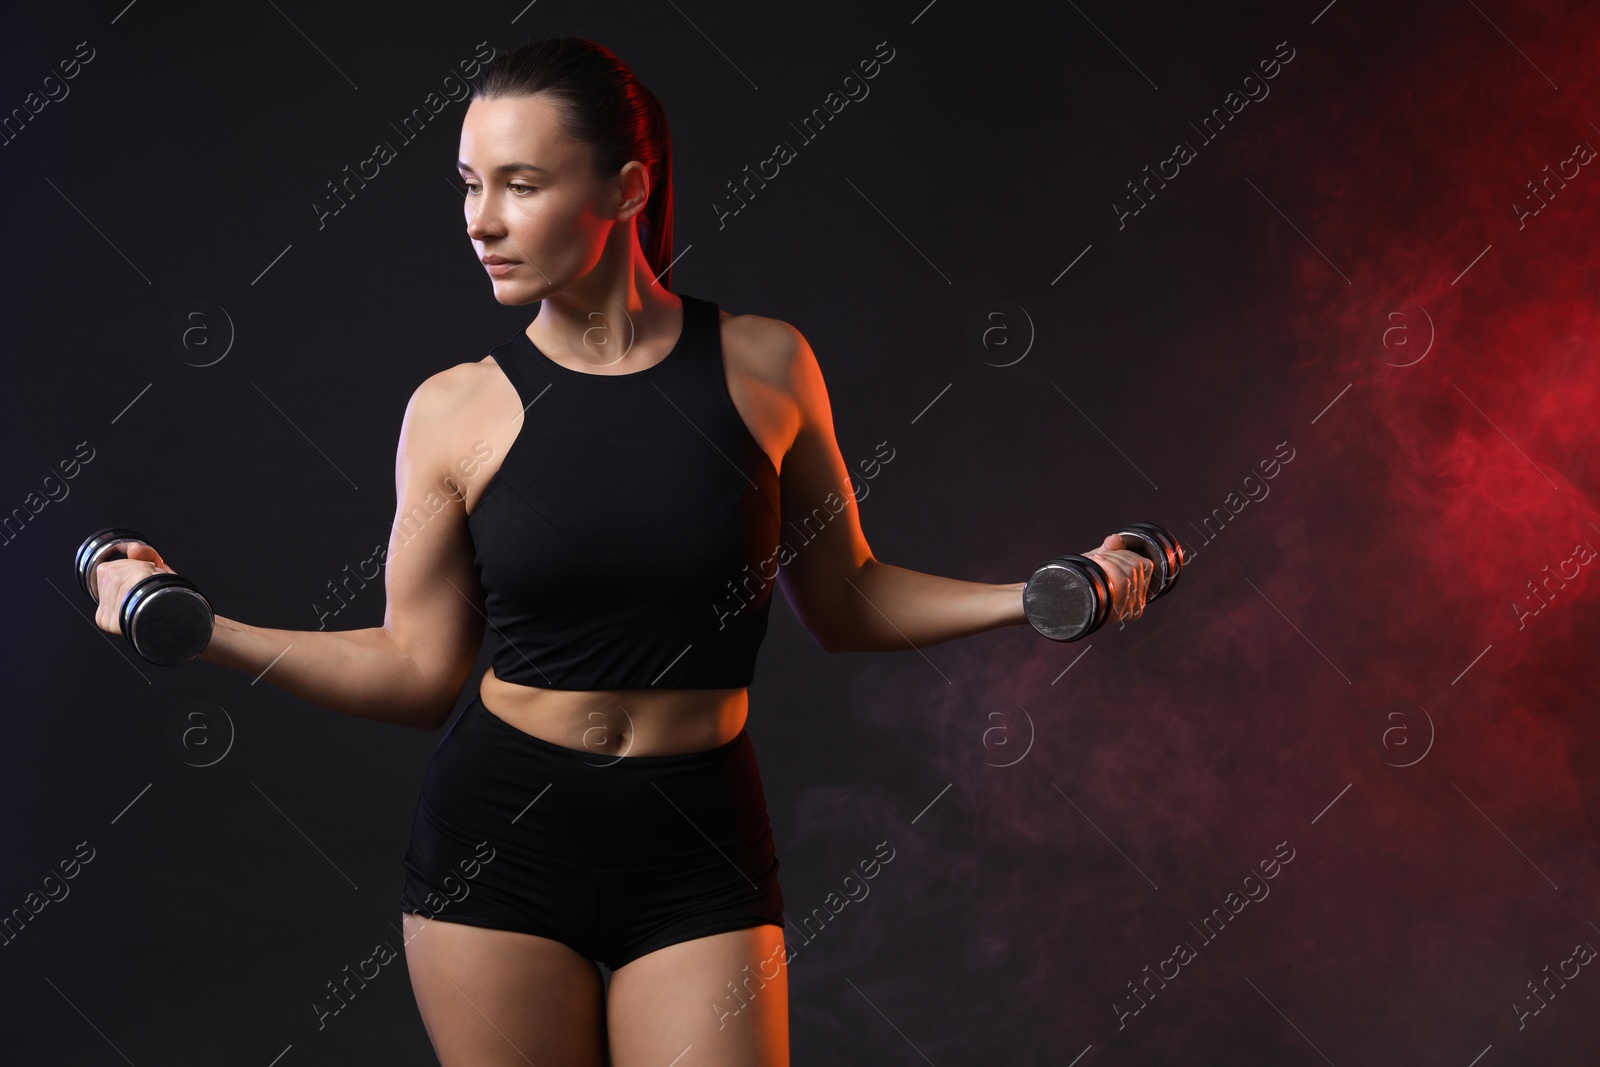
x: 433, y: 609
x: 821, y: 522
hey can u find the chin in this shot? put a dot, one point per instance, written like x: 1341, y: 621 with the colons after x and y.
x: 514, y: 296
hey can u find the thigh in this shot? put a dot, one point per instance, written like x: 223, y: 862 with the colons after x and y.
x: 493, y: 997
x: 723, y: 998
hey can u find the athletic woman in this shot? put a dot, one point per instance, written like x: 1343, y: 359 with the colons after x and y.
x: 612, y: 491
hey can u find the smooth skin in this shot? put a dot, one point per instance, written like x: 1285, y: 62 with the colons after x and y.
x: 490, y: 997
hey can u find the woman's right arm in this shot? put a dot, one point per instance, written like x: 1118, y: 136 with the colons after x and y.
x: 410, y: 670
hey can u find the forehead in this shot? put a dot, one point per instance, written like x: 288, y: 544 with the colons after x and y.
x: 515, y: 128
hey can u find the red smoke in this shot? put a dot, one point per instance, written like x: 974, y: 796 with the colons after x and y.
x: 1371, y: 624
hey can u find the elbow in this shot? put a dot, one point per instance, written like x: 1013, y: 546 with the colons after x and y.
x: 827, y: 636
x: 437, y: 711
x: 449, y: 683
x: 834, y: 637
x: 436, y: 701
x: 433, y: 719
x: 426, y: 715
x: 834, y: 617
x: 840, y: 629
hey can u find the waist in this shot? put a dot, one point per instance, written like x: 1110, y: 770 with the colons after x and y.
x: 608, y: 723
x: 492, y: 787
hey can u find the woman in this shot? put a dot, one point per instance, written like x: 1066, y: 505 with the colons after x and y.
x: 606, y: 491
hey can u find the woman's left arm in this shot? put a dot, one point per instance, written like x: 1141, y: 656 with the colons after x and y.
x: 848, y: 599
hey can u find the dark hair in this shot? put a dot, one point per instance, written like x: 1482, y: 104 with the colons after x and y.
x: 602, y: 105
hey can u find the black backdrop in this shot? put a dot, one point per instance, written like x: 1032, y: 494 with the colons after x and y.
x: 957, y: 238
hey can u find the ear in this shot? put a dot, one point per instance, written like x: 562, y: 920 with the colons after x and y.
x: 633, y: 189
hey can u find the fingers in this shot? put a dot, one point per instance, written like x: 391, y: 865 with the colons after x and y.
x: 1118, y: 573
x: 114, y: 578
x: 110, y: 588
x: 1145, y: 568
x: 1129, y: 573
x: 1129, y: 596
x: 1135, y: 572
x: 146, y: 553
x: 105, y: 590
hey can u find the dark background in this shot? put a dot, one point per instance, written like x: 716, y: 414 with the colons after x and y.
x: 1345, y: 670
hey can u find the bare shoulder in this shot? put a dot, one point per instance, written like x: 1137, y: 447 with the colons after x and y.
x: 452, y: 407
x: 763, y: 347
x: 463, y: 383
x: 457, y: 421
x: 457, y: 397
x: 770, y: 351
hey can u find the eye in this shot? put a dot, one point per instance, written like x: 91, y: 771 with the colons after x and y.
x: 471, y: 188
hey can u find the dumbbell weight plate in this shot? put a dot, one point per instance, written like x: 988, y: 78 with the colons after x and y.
x: 167, y: 619
x: 1067, y: 597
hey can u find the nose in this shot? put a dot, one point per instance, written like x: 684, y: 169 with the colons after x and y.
x: 481, y: 219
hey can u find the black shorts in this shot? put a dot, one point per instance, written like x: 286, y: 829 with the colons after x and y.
x: 614, y: 856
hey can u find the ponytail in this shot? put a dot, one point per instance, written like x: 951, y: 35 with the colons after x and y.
x: 655, y: 221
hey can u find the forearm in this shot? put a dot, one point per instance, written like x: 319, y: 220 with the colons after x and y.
x: 362, y: 673
x: 895, y: 608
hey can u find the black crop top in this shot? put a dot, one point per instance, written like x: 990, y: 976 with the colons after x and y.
x: 629, y: 538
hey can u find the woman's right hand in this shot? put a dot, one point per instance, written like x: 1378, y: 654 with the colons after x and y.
x: 1129, y: 573
x: 115, y: 577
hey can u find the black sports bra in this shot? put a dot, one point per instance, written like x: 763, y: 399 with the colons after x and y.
x: 629, y: 538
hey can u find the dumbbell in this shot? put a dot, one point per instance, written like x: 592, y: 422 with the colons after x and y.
x: 1070, y: 596
x: 165, y: 618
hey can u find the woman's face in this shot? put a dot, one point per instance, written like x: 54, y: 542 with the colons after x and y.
x: 532, y: 197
